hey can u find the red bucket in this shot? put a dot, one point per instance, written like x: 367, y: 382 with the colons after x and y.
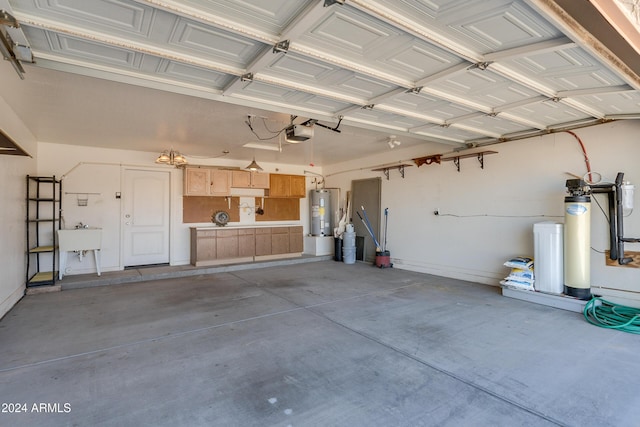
x: 383, y: 259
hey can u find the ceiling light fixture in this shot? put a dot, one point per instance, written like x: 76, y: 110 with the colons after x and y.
x: 392, y: 142
x: 171, y: 157
x: 263, y: 146
x: 253, y: 166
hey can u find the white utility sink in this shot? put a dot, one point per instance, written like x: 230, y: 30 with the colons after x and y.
x: 79, y: 240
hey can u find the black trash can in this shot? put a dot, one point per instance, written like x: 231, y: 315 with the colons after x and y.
x: 360, y: 248
x: 337, y: 254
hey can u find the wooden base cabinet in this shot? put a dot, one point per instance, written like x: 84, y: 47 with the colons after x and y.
x: 263, y: 241
x: 296, y: 240
x: 203, y: 246
x: 229, y: 245
x: 279, y: 241
x: 246, y: 242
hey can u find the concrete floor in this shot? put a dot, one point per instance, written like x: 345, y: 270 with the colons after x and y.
x: 310, y: 344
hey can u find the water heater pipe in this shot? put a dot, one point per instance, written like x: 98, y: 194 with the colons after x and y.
x: 316, y: 174
x: 584, y: 152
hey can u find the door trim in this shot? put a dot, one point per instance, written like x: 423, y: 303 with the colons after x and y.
x: 123, y: 170
x: 374, y: 215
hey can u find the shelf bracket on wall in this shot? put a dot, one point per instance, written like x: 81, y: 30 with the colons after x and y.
x: 480, y: 156
x: 481, y: 160
x: 385, y: 169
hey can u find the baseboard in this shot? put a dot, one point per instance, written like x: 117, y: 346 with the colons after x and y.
x: 485, y: 278
x: 11, y: 300
x: 558, y: 301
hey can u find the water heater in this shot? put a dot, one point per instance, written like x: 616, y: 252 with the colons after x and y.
x: 577, y: 240
x: 320, y: 212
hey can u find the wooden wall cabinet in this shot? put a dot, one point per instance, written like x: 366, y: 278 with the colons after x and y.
x: 220, y: 183
x: 249, y: 179
x: 241, y: 179
x: 279, y: 185
x: 196, y: 182
x: 282, y: 185
x: 206, y: 182
x: 298, y: 186
x: 259, y: 180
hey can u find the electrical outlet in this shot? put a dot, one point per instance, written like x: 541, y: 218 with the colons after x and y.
x: 436, y: 212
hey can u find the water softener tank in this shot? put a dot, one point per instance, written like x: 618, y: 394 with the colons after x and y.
x: 320, y: 213
x: 577, y: 246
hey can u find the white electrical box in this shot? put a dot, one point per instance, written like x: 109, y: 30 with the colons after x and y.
x: 548, y: 261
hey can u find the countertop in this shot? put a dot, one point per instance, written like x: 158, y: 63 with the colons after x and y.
x: 235, y: 227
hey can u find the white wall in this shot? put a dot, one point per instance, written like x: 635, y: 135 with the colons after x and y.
x: 96, y: 170
x: 487, y: 216
x: 13, y: 172
x: 495, y: 207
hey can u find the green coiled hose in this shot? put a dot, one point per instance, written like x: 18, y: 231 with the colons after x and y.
x: 612, y: 316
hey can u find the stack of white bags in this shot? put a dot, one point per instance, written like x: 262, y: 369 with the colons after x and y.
x: 521, y: 276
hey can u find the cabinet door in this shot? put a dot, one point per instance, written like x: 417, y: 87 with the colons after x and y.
x: 220, y: 183
x: 241, y: 179
x: 246, y: 242
x: 263, y: 241
x: 227, y: 244
x: 298, y: 186
x: 279, y: 185
x: 296, y: 242
x: 259, y: 180
x: 205, y: 246
x: 279, y: 240
x: 196, y: 182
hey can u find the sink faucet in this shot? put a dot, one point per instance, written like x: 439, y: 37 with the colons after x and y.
x: 81, y: 225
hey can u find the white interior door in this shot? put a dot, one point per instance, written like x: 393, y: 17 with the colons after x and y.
x: 145, y: 217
